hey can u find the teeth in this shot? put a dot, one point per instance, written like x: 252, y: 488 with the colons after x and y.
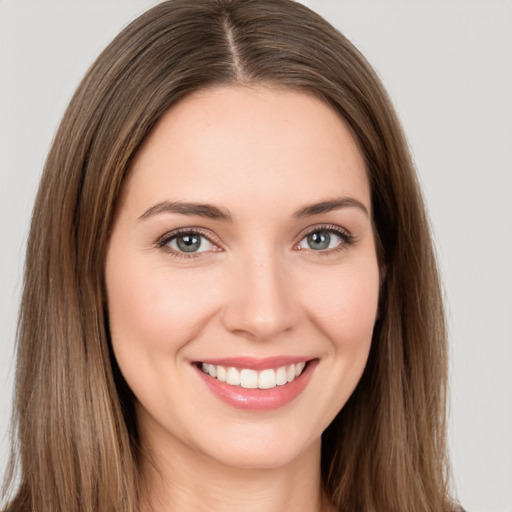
x: 281, y: 376
x: 267, y: 379
x: 249, y: 379
x: 233, y: 377
x: 252, y: 379
x: 298, y: 368
x: 221, y: 373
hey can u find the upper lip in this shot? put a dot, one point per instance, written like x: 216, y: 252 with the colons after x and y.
x: 256, y: 363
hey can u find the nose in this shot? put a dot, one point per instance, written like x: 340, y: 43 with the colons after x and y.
x: 261, y: 304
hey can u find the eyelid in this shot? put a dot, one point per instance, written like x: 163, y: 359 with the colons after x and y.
x: 343, y: 233
x: 167, y: 237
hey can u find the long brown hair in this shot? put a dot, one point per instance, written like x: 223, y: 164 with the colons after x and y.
x: 74, y: 430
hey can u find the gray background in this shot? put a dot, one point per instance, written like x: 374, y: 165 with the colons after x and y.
x: 447, y: 66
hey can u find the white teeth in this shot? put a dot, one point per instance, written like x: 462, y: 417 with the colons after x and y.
x: 298, y: 368
x: 281, y: 376
x: 233, y: 377
x: 252, y: 379
x: 249, y: 379
x: 267, y: 379
x: 221, y: 373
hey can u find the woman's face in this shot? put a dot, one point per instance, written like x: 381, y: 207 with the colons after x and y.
x: 242, y: 275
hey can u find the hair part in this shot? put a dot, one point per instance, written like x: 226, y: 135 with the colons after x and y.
x: 74, y: 423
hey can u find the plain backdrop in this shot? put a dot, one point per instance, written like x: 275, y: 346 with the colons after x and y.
x: 447, y: 66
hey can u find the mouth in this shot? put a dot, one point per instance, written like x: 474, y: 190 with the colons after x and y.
x: 249, y: 378
x: 253, y: 384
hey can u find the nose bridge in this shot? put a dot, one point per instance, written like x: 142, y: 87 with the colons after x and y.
x: 261, y: 303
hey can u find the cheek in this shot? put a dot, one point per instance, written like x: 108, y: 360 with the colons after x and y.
x: 155, y: 311
x: 343, y: 303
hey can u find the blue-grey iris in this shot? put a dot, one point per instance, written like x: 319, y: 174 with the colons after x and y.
x: 188, y: 243
x: 319, y: 240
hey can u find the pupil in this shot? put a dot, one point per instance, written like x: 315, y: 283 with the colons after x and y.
x: 188, y: 243
x: 319, y: 240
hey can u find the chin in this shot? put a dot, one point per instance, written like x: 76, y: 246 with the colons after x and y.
x: 262, y: 447
x: 264, y: 456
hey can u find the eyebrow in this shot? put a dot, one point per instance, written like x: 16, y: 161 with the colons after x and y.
x: 329, y: 206
x: 200, y: 209
x: 213, y: 212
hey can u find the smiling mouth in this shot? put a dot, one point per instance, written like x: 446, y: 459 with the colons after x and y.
x: 254, y: 379
x: 256, y: 384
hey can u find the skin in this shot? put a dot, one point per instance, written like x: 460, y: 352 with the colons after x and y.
x: 259, y: 154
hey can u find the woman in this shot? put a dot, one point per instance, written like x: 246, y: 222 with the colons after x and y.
x: 230, y: 297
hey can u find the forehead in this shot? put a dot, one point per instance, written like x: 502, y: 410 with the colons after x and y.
x: 263, y: 144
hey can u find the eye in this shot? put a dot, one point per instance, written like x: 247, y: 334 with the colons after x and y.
x: 324, y: 239
x: 188, y: 243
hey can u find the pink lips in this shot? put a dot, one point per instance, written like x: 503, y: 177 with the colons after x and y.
x: 258, y: 399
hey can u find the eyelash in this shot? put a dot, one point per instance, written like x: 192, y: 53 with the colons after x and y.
x: 168, y: 237
x: 347, y: 239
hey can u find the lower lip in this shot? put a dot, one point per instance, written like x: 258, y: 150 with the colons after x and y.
x: 259, y: 399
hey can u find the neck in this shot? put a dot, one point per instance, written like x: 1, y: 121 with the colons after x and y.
x: 184, y: 480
